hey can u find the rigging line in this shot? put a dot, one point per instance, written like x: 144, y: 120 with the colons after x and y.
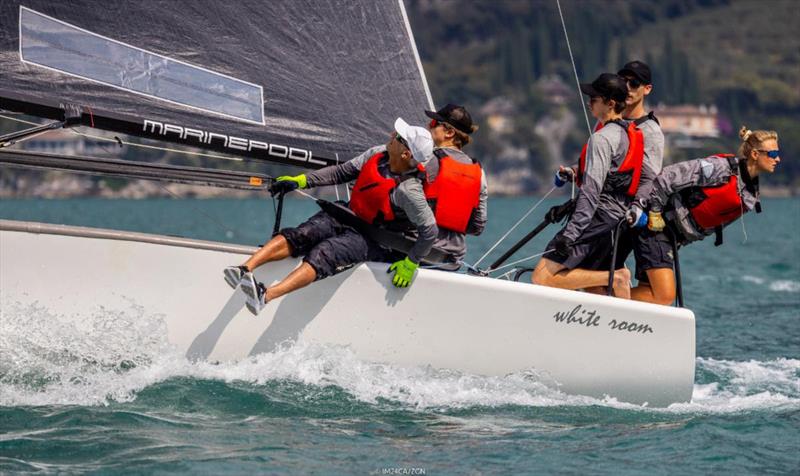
x: 521, y: 260
x: 228, y: 230
x: 336, y: 186
x: 165, y: 149
x: 132, y: 144
x: 23, y: 139
x: 744, y: 230
x: 22, y: 121
x: 514, y: 227
x: 574, y: 68
x: 506, y: 275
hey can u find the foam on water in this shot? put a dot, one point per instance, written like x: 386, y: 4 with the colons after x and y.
x: 111, y: 355
x: 785, y: 285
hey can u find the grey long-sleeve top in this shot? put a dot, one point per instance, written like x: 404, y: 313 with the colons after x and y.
x: 706, y: 172
x: 604, y: 153
x: 407, y: 199
x: 653, y: 157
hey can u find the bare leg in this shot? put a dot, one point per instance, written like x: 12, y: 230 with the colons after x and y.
x: 276, y: 249
x: 660, y: 290
x: 301, y: 277
x: 550, y: 273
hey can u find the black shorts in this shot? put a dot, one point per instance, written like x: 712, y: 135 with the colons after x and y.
x: 651, y: 250
x: 594, y: 248
x: 331, y: 247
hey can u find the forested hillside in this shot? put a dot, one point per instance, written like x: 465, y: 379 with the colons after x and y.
x: 742, y: 56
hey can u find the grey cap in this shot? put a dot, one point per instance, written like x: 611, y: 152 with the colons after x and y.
x: 419, y: 140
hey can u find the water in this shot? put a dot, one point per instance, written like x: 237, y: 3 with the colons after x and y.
x: 119, y: 399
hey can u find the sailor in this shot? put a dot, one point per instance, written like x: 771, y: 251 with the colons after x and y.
x: 579, y: 255
x: 693, y: 199
x: 651, y: 264
x: 455, y: 183
x: 388, y: 191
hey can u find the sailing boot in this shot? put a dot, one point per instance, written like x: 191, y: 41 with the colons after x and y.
x: 256, y: 293
x: 234, y: 275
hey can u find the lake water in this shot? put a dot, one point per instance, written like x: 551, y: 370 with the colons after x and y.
x: 135, y: 409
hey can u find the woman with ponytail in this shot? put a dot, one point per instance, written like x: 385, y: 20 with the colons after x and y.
x: 694, y: 199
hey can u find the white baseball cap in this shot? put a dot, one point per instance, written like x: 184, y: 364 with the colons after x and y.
x: 419, y: 140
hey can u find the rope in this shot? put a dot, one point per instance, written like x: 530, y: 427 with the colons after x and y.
x: 744, y: 230
x: 506, y: 275
x: 574, y: 68
x: 514, y: 227
x: 336, y: 186
x: 521, y: 261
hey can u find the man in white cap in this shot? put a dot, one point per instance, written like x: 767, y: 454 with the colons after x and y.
x: 388, y: 192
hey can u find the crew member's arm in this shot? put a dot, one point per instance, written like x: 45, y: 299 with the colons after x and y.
x: 477, y: 222
x: 653, y: 162
x: 598, y: 163
x: 673, y: 178
x: 410, y: 197
x: 342, y: 173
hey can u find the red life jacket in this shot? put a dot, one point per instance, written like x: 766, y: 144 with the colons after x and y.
x: 455, y: 193
x: 721, y: 204
x: 370, y: 198
x: 631, y: 164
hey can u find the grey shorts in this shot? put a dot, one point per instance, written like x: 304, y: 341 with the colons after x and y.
x: 331, y: 247
x: 593, y: 250
x: 651, y: 250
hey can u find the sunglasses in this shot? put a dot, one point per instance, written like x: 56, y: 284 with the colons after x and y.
x: 772, y: 154
x: 633, y: 82
x: 402, y: 141
x: 434, y: 124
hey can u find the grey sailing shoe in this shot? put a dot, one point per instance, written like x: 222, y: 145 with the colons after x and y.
x: 256, y: 293
x: 234, y: 275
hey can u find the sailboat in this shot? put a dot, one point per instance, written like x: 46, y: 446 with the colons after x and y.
x: 303, y: 83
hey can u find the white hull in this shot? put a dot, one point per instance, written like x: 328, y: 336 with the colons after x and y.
x: 446, y: 320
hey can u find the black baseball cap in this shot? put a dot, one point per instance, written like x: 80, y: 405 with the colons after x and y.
x: 607, y: 86
x: 638, y: 70
x: 456, y: 116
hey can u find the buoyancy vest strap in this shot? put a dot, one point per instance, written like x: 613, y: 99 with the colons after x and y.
x: 718, y: 235
x: 370, y: 199
x: 650, y: 116
x: 439, y: 153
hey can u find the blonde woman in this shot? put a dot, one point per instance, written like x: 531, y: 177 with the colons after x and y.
x: 695, y: 199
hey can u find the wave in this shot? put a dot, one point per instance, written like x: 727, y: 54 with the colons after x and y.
x: 779, y: 285
x: 116, y: 354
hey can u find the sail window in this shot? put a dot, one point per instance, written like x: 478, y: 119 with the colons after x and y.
x: 60, y: 46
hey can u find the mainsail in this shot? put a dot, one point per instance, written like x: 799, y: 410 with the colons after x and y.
x: 301, y: 82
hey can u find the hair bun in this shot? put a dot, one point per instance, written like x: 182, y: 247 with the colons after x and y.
x: 745, y: 133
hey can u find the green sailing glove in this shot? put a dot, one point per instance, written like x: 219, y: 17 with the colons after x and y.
x: 287, y: 183
x: 403, y: 272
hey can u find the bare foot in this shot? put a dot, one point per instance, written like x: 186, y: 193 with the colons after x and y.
x: 622, y: 283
